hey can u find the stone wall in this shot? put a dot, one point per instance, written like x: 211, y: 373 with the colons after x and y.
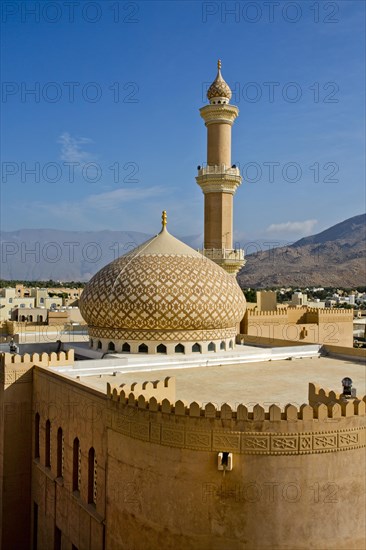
x: 158, y: 479
x: 291, y: 476
x: 155, y: 475
x: 16, y: 388
x: 80, y: 413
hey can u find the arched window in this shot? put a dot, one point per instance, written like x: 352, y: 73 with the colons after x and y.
x: 126, y: 348
x: 47, y: 450
x: 196, y: 348
x: 60, y: 453
x: 211, y: 347
x: 76, y: 464
x: 57, y: 538
x: 161, y: 348
x: 111, y: 346
x: 35, y: 526
x: 222, y: 345
x: 99, y: 345
x: 179, y: 348
x: 30, y: 318
x: 231, y: 345
x: 36, y: 436
x: 143, y: 348
x: 92, y: 477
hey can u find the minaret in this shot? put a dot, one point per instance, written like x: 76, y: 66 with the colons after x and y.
x: 219, y: 179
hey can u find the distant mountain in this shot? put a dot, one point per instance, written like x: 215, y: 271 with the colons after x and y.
x: 43, y: 254
x: 334, y: 257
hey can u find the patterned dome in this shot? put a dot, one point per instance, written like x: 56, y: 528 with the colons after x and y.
x: 165, y: 291
x: 219, y: 88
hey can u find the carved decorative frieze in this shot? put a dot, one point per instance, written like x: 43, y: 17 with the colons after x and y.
x: 245, y: 442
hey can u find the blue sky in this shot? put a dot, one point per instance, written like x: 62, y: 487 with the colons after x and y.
x: 114, y: 136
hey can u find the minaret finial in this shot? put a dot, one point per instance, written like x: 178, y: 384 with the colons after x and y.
x: 219, y: 64
x: 163, y: 219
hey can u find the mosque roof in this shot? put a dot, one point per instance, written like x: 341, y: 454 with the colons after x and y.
x: 163, y: 285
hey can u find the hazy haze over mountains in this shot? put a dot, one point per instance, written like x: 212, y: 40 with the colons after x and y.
x: 334, y: 257
x: 42, y: 254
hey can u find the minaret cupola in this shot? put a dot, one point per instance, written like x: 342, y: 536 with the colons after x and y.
x: 219, y: 92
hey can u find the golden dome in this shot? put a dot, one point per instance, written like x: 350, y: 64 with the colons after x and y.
x: 163, y: 290
x: 219, y: 88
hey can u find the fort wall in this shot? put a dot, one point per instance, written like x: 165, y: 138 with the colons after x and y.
x: 307, y: 325
x: 289, y: 469
x: 155, y: 470
x: 75, y: 412
x: 16, y: 388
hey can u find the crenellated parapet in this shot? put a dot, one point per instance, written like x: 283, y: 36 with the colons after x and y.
x: 51, y: 359
x: 335, y: 316
x: 310, y: 428
x: 159, y: 389
x: 317, y: 394
x: 15, y: 367
x: 339, y: 312
x: 280, y: 312
x: 314, y: 312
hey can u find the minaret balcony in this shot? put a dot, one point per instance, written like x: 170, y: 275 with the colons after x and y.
x: 219, y: 178
x: 219, y: 169
x: 232, y: 260
x: 236, y: 255
x: 214, y: 114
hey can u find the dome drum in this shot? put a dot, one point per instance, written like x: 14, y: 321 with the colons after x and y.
x: 114, y: 346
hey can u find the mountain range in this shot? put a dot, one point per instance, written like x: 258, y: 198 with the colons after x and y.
x: 334, y: 257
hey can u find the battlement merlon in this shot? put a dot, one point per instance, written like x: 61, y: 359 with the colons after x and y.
x: 313, y: 314
x: 42, y: 359
x: 159, y: 389
x: 317, y: 410
x: 15, y: 368
x: 328, y: 397
x: 281, y: 312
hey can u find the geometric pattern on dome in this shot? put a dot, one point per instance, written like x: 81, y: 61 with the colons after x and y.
x: 162, y: 292
x: 219, y: 89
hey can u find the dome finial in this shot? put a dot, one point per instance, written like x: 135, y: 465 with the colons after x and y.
x: 219, y: 64
x: 163, y: 219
